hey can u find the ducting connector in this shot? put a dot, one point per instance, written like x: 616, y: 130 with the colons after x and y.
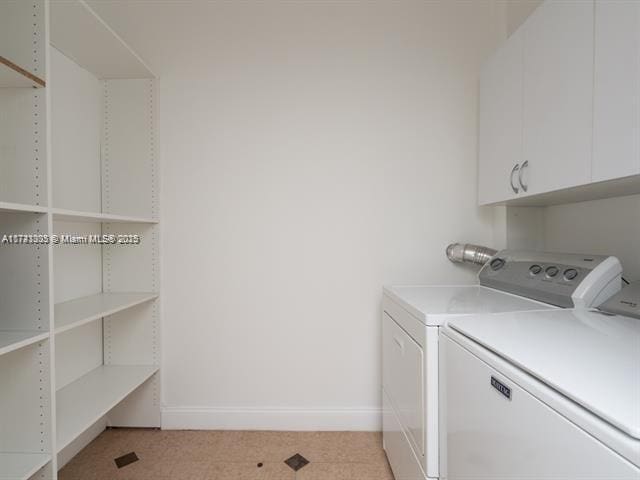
x: 469, y: 253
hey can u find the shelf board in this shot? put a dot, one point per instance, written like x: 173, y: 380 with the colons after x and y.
x: 61, y: 214
x: 80, y: 311
x: 21, y: 466
x: 84, y: 401
x: 12, y: 75
x: 11, y: 340
x: 21, y: 207
x: 82, y: 35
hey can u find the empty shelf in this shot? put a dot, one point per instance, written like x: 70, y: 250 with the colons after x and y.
x: 80, y: 311
x: 61, y: 214
x: 79, y: 32
x: 13, y: 340
x: 21, y: 207
x: 83, y: 402
x: 21, y: 466
x: 11, y: 75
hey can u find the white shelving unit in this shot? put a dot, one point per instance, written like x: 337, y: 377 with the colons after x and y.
x: 79, y: 322
x: 78, y: 312
x: 22, y: 465
x: 62, y: 215
x: 18, y: 207
x: 26, y: 359
x: 11, y: 340
x: 84, y: 401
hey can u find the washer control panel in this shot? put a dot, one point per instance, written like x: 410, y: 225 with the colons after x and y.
x: 565, y: 280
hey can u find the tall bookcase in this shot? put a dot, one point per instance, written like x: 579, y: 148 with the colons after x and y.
x: 79, y: 314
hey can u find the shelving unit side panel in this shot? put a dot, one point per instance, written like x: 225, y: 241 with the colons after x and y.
x: 77, y: 352
x: 23, y: 175
x: 24, y: 283
x: 50, y: 472
x: 25, y: 416
x: 129, y: 178
x: 22, y: 34
x: 76, y: 112
x: 77, y: 268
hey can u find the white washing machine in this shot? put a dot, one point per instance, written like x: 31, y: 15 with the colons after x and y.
x: 412, y: 319
x: 543, y: 395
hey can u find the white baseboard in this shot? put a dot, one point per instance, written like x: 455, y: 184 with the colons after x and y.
x: 229, y: 418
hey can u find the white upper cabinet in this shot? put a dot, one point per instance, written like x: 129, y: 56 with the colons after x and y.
x: 616, y: 134
x: 558, y: 96
x: 560, y: 106
x: 500, y: 123
x: 536, y: 106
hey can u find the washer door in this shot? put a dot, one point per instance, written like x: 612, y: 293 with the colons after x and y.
x: 403, y: 380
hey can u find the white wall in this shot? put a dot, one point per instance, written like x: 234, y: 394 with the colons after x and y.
x: 609, y: 227
x: 311, y: 152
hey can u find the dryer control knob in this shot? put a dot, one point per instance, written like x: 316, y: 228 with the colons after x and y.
x: 552, y: 271
x: 535, y: 269
x: 570, y: 273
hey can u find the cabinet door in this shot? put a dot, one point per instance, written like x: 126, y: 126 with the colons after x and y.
x: 500, y: 122
x: 558, y: 95
x: 616, y: 123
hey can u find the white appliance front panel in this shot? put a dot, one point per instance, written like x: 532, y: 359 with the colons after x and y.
x: 403, y: 380
x: 402, y: 458
x: 491, y: 436
x: 592, y: 358
x: 426, y: 338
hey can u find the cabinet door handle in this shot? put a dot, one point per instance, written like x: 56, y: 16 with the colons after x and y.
x: 524, y: 186
x: 513, y: 172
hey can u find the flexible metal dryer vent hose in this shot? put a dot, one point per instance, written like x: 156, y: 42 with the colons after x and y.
x: 469, y: 253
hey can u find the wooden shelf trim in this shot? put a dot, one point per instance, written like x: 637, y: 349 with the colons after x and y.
x: 22, y: 71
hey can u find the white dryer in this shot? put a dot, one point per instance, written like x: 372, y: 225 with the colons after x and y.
x: 543, y: 395
x: 412, y: 319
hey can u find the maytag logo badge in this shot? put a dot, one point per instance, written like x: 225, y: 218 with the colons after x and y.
x: 629, y: 304
x: 501, y: 387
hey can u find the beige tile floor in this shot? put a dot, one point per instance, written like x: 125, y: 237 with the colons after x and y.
x: 230, y: 455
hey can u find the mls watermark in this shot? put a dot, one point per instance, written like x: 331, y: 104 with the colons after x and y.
x: 70, y: 239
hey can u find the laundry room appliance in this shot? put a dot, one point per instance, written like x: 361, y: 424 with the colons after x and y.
x: 511, y: 281
x: 552, y: 394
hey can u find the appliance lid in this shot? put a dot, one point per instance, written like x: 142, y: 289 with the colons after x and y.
x: 591, y: 357
x: 430, y: 304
